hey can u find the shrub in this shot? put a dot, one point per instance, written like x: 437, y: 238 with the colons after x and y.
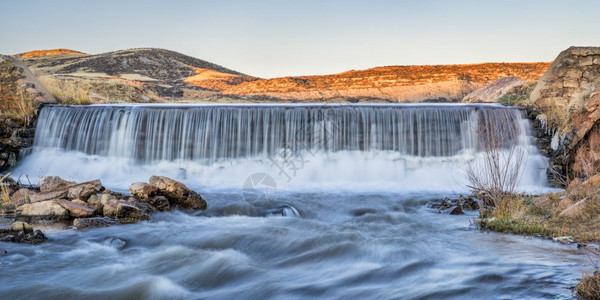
x: 497, y: 173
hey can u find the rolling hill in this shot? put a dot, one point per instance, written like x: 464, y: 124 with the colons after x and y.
x: 149, y: 74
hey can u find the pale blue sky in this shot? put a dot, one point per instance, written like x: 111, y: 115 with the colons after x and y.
x: 271, y: 38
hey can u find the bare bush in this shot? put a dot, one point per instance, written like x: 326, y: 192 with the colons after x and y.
x: 498, y: 172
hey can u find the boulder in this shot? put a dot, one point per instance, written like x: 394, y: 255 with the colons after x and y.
x: 158, y: 203
x: 109, y: 208
x: 84, y: 190
x: 46, y: 210
x: 95, y: 203
x: 21, y: 226
x: 457, y: 211
x: 22, y: 236
x: 495, y: 90
x: 542, y: 201
x: 94, y: 222
x: 21, y: 197
x: 178, y: 194
x: 143, y: 190
x: 46, y: 196
x: 127, y: 214
x: 50, y: 183
x: 76, y: 210
x: 565, y: 202
x: 592, y: 182
x: 574, y: 210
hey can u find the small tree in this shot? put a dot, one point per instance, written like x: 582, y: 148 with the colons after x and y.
x: 498, y: 172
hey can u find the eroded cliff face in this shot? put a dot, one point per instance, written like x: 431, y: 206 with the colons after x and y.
x: 20, y: 96
x: 569, y: 97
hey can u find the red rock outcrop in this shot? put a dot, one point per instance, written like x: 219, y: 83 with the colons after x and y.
x: 569, y: 96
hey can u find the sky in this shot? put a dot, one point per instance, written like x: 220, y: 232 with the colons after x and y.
x: 273, y: 38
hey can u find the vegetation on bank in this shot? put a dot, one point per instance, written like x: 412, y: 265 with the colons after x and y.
x: 83, y: 91
x: 574, y: 213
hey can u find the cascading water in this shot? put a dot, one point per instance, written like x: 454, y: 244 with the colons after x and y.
x: 352, y: 217
x: 390, y: 146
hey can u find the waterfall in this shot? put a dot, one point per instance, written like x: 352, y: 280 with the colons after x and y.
x: 186, y: 140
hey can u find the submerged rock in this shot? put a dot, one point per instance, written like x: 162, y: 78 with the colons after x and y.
x: 458, y: 210
x: 127, y: 214
x: 94, y: 222
x: 21, y: 232
x: 178, y: 194
x: 158, y: 203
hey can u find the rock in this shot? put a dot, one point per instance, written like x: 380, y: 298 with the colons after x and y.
x: 109, y: 208
x: 32, y: 91
x: 468, y: 203
x: 81, y: 202
x: 50, y: 183
x: 95, y: 203
x: 158, y: 203
x: 21, y: 197
x: 143, y: 190
x: 574, y: 184
x: 46, y: 210
x: 565, y: 202
x: 84, y: 190
x: 495, y: 90
x: 127, y: 214
x: 575, y: 210
x: 21, y: 226
x: 564, y: 239
x: 178, y: 194
x: 46, y: 196
x: 76, y: 210
x: 445, y: 204
x: 542, y: 201
x: 31, y: 237
x: 107, y: 197
x: 95, y: 222
x: 592, y: 182
x: 457, y: 211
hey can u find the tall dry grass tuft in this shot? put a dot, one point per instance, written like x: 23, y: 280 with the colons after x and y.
x: 4, y: 191
x: 66, y: 91
x: 82, y: 91
x: 589, y: 286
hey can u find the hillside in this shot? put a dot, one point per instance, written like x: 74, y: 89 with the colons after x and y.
x: 148, y: 74
x: 398, y: 83
x: 135, y: 74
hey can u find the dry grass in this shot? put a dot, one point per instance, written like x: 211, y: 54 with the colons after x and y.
x: 522, y: 215
x: 557, y: 118
x: 4, y: 192
x: 86, y: 91
x: 589, y: 287
x: 21, y: 108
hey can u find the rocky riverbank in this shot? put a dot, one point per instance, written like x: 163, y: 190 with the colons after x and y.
x: 88, y: 204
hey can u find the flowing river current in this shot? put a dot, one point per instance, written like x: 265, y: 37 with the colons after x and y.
x: 304, y: 201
